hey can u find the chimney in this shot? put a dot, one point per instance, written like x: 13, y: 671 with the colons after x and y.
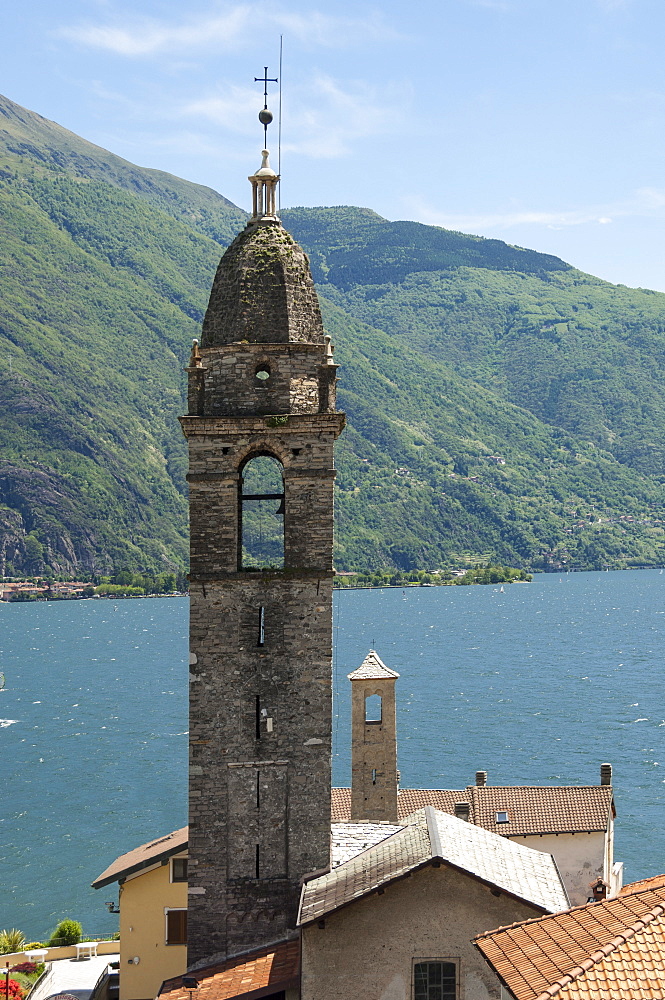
x: 481, y: 778
x: 598, y: 891
x: 463, y: 811
x: 606, y: 774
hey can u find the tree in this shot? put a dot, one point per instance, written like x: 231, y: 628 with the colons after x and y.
x: 67, y: 932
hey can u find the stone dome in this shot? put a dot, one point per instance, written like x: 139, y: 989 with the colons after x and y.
x: 263, y: 292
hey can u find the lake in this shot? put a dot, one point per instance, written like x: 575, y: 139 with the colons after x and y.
x: 538, y: 684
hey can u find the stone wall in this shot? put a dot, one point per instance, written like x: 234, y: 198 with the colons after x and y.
x: 231, y: 386
x: 263, y: 292
x: 260, y: 745
x: 373, y: 754
x: 368, y: 948
x: 260, y: 697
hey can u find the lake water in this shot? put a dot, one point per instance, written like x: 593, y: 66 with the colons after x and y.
x: 537, y: 685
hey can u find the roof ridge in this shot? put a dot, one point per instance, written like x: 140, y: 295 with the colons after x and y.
x: 602, y: 952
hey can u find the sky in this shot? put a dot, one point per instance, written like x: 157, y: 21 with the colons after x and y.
x: 538, y: 122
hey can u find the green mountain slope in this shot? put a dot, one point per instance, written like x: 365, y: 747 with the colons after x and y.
x: 488, y: 387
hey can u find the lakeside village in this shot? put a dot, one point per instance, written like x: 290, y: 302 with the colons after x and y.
x: 282, y: 886
x: 126, y: 584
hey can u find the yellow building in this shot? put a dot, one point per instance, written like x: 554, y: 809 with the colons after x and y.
x: 152, y: 881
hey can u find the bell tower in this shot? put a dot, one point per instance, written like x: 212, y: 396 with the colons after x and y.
x: 373, y: 742
x: 261, y: 390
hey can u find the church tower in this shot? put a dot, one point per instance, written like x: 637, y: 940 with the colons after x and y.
x: 374, y: 777
x: 261, y: 397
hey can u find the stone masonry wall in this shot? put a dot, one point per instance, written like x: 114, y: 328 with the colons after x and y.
x: 263, y: 292
x: 260, y: 726
x: 231, y: 386
x: 373, y: 754
x: 261, y: 657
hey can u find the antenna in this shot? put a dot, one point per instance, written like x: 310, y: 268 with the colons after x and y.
x: 279, y: 129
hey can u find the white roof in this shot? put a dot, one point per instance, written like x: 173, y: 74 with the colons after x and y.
x: 372, y: 668
x: 522, y: 871
x: 430, y: 834
x: 350, y: 839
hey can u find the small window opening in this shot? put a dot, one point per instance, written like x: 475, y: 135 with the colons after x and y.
x: 179, y: 869
x: 373, y: 775
x: 257, y: 715
x: 262, y: 514
x: 434, y: 981
x: 258, y: 789
x: 257, y: 861
x: 262, y: 373
x: 262, y: 627
x: 373, y: 708
x: 502, y: 817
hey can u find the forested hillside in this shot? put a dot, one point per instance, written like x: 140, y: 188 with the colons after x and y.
x: 501, y: 404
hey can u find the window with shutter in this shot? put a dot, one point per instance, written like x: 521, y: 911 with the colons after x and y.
x: 176, y: 926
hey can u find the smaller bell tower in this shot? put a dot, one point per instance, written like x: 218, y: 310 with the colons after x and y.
x: 373, y: 742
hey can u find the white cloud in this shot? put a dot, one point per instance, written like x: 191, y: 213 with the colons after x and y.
x: 642, y: 202
x: 327, y: 118
x: 142, y: 36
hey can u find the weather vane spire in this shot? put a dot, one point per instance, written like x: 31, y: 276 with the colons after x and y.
x: 264, y: 181
x: 265, y: 116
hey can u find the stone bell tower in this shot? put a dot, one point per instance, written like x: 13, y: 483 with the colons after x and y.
x: 261, y: 385
x: 373, y: 742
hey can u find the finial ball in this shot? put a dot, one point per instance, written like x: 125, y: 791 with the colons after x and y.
x: 265, y: 116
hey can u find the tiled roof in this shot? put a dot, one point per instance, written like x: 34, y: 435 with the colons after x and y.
x: 542, y: 808
x: 531, y: 809
x: 611, y: 949
x: 143, y: 857
x: 256, y: 974
x: 531, y: 875
x: 349, y: 839
x: 518, y: 870
x: 645, y: 885
x: 389, y: 860
x: 372, y: 668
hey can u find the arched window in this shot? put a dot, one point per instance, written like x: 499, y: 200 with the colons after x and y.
x: 373, y: 708
x: 262, y: 514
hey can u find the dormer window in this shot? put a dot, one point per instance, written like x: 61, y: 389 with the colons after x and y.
x: 502, y: 817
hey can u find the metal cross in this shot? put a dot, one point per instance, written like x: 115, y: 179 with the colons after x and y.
x: 265, y: 80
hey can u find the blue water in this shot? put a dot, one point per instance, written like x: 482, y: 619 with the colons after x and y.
x: 539, y: 684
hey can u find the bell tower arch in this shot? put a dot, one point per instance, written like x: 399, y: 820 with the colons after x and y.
x: 261, y: 385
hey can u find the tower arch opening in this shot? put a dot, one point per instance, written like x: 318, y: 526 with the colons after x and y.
x: 261, y: 513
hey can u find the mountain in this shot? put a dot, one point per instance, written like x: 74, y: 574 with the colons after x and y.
x: 501, y: 403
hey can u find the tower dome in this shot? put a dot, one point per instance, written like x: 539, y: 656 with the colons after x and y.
x: 263, y: 292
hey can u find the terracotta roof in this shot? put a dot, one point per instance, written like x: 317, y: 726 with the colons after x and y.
x: 372, y: 668
x: 656, y: 882
x: 256, y: 974
x: 611, y: 949
x: 531, y: 809
x: 433, y: 835
x: 143, y: 857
